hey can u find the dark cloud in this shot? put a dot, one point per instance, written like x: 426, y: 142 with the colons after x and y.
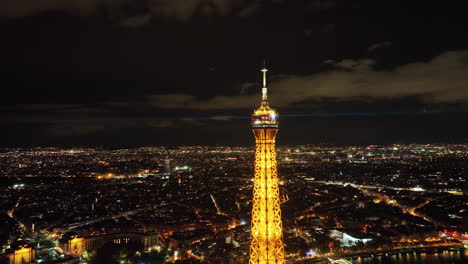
x: 136, y: 21
x: 20, y: 8
x: 191, y: 102
x: 380, y: 45
x: 80, y: 78
x: 442, y: 79
x: 55, y: 108
x: 131, y: 13
x: 323, y: 4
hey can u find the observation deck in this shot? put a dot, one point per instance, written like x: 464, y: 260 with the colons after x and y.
x: 265, y: 117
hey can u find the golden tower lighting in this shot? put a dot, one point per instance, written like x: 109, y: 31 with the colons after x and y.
x: 266, y: 245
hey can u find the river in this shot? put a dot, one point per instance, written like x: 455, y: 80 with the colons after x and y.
x: 444, y: 257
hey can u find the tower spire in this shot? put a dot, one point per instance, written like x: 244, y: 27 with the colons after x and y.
x: 264, y: 89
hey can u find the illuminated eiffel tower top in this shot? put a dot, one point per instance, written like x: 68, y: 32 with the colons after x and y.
x: 264, y: 116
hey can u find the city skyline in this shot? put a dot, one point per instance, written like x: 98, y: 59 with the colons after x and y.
x: 400, y: 203
x: 128, y: 74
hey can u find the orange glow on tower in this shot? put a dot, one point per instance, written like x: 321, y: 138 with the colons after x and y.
x: 266, y: 245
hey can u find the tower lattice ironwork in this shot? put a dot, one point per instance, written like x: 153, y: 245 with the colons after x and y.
x: 266, y: 245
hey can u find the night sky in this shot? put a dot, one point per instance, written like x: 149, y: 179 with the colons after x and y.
x: 124, y: 73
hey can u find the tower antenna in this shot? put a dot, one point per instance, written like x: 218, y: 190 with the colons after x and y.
x: 264, y: 89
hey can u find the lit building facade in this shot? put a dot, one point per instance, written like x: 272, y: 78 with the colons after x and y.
x: 74, y: 244
x: 349, y: 240
x: 266, y: 245
x: 22, y: 254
